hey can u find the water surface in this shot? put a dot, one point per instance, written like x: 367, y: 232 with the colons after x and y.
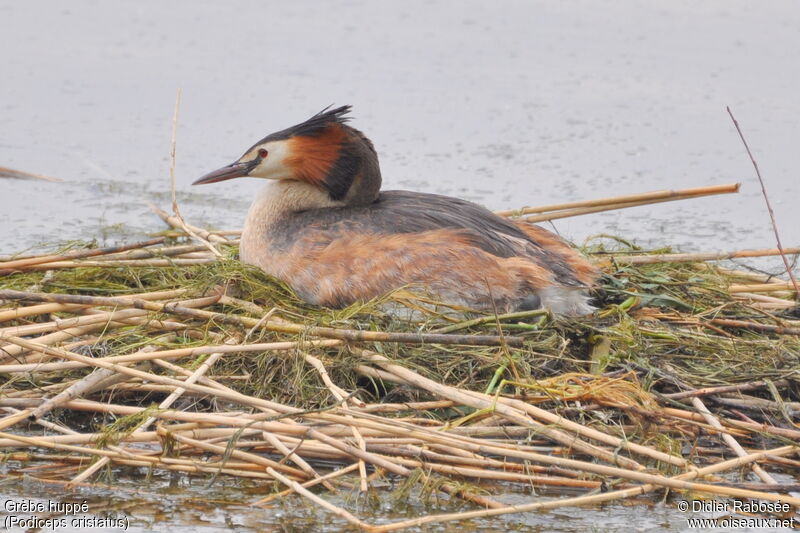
x: 529, y: 104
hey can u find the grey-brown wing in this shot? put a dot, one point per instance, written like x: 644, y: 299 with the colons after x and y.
x: 412, y: 212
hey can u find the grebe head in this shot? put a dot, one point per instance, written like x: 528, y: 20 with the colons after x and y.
x: 323, y: 151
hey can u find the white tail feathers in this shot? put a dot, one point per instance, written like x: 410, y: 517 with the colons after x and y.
x: 562, y: 300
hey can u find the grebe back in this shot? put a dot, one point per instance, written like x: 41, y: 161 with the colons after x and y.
x: 323, y: 225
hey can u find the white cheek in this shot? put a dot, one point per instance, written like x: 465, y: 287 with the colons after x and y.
x: 272, y: 166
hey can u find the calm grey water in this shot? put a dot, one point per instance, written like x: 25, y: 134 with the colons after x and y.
x: 510, y: 104
x: 507, y: 104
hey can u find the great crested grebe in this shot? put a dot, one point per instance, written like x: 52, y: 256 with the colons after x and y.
x: 323, y: 225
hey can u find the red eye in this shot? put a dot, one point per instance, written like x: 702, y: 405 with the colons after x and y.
x: 263, y: 153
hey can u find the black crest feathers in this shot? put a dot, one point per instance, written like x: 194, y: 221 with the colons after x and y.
x: 312, y: 126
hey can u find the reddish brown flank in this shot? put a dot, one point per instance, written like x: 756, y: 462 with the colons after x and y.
x: 358, y: 267
x: 584, y: 271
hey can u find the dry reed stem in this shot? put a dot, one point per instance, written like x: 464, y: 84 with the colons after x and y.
x: 780, y: 330
x: 68, y: 323
x: 100, y: 321
x: 341, y: 396
x: 244, y: 456
x: 491, y: 319
x: 77, y: 438
x: 291, y: 455
x: 789, y: 270
x: 191, y: 430
x: 6, y: 172
x: 762, y: 287
x: 730, y: 441
x: 722, y: 389
x: 514, y: 415
x: 14, y: 418
x: 45, y: 424
x: 336, y: 473
x: 649, y: 259
x: 178, y: 223
x: 15, y: 352
x: 640, y: 199
x: 410, y: 406
x: 176, y: 250
x: 154, y: 325
x: 69, y: 333
x: 83, y: 386
x: 382, y: 336
x: 237, y: 419
x: 450, y: 455
x: 41, y: 309
x: 787, y: 409
x: 743, y: 274
x: 117, y: 263
x: 382, y: 375
x: 35, y: 310
x: 339, y: 393
x: 346, y: 451
x: 567, y: 213
x: 173, y: 189
x: 740, y: 424
x: 52, y: 444
x: 174, y: 353
x: 8, y: 267
x: 250, y: 307
x: 762, y: 301
x: 137, y: 385
x: 199, y: 467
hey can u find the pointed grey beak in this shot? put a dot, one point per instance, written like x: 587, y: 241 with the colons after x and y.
x: 234, y: 170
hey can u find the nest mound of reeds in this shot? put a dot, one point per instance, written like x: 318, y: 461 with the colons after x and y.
x: 166, y: 355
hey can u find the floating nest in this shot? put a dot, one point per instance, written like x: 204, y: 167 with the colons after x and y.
x: 165, y: 356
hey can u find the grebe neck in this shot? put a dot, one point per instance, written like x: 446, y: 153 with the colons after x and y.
x: 276, y: 200
x: 279, y: 198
